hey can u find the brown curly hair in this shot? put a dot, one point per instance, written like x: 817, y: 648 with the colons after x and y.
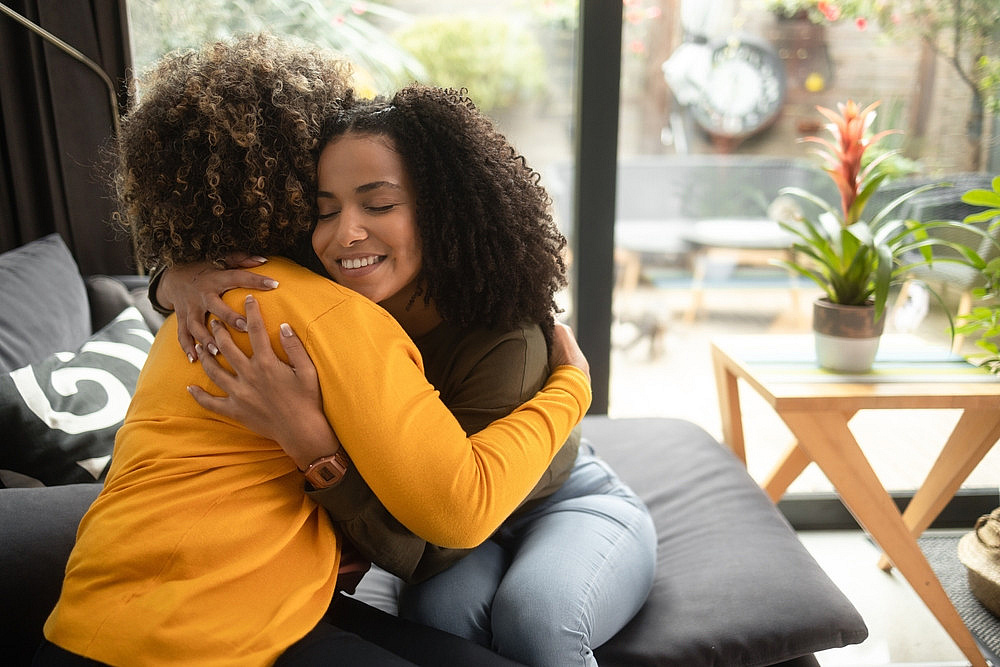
x: 492, y: 255
x: 220, y: 152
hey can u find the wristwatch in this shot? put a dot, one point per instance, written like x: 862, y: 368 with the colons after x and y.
x: 326, y: 471
x: 155, y: 278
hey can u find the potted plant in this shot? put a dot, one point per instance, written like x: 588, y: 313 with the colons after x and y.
x: 855, y: 257
x: 984, y: 320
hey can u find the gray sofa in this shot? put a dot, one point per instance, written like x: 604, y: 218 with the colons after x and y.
x: 734, y: 585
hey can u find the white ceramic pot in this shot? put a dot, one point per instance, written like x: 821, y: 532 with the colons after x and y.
x: 847, y: 337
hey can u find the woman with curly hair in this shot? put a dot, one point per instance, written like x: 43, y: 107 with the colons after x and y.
x: 201, y: 547
x: 427, y: 210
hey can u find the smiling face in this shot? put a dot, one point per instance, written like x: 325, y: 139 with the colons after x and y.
x: 367, y: 235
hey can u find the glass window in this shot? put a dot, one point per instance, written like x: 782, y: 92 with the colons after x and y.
x: 517, y: 58
x: 716, y: 100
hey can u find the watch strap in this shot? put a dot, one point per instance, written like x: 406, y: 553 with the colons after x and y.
x: 154, y: 283
x: 327, y: 471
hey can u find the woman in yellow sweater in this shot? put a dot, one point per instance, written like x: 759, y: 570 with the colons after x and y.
x: 202, y: 548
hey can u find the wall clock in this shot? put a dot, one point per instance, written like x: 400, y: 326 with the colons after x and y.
x: 743, y: 91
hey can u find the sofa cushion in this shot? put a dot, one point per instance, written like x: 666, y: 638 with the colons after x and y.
x: 59, y: 416
x: 37, y: 531
x: 734, y: 584
x: 43, y: 303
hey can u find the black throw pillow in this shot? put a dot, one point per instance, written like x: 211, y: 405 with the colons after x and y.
x: 60, y: 416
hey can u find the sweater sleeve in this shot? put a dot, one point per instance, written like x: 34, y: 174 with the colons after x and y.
x: 450, y: 489
x: 484, y: 375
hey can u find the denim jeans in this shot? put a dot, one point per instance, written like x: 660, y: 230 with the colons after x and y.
x: 554, y: 583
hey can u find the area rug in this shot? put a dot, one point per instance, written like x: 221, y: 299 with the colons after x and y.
x: 941, y: 552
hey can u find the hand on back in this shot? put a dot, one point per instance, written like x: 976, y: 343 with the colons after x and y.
x: 566, y: 351
x: 195, y: 290
x: 277, y: 400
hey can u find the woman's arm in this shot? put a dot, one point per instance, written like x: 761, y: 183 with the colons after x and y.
x: 282, y: 401
x: 495, y: 373
x: 393, y: 414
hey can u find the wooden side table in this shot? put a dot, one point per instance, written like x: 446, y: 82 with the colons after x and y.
x: 816, y: 406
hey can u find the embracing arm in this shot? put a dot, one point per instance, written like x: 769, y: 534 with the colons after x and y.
x: 482, y: 376
x: 485, y: 374
x: 401, y: 437
x: 452, y: 490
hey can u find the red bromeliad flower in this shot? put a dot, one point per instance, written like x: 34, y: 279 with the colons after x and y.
x: 853, y: 259
x: 842, y: 156
x: 829, y: 10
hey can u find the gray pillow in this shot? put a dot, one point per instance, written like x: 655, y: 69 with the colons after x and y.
x: 60, y: 415
x: 43, y: 302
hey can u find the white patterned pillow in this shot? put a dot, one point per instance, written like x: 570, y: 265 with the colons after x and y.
x: 59, y: 416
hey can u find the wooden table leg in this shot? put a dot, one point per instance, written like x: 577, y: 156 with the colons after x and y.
x: 791, y: 465
x: 788, y: 469
x: 699, y: 268
x: 829, y: 442
x: 729, y: 406
x: 972, y: 438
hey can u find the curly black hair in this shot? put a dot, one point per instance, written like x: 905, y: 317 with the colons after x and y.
x: 492, y: 255
x: 220, y: 152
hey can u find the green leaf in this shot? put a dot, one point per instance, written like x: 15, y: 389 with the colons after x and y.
x: 982, y: 198
x: 988, y: 346
x: 866, y: 192
x: 877, y: 219
x: 883, y: 276
x: 982, y: 216
x: 809, y: 197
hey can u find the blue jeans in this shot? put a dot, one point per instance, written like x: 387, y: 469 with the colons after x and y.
x: 554, y: 583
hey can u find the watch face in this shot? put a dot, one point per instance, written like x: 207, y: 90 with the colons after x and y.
x: 327, y: 471
x: 744, y: 89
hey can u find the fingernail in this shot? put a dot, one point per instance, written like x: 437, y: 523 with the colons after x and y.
x: 190, y: 358
x: 213, y: 323
x: 258, y: 258
x: 249, y: 298
x: 197, y: 348
x: 241, y: 324
x: 212, y: 349
x: 286, y: 330
x: 270, y: 284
